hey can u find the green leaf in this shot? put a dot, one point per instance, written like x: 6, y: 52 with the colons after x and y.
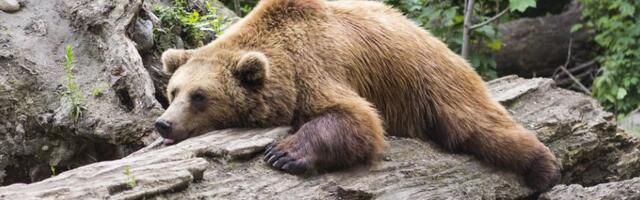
x: 487, y: 31
x: 621, y: 93
x: 610, y: 98
x: 521, y: 5
x: 495, y: 45
x: 576, y: 27
x: 627, y: 9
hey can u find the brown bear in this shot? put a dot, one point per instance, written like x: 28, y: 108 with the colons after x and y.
x: 342, y: 74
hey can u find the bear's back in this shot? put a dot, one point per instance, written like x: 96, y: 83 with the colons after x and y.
x: 407, y: 73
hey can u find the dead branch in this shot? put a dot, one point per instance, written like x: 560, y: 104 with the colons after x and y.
x: 564, y: 69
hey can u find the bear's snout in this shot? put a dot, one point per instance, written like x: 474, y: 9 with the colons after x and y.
x: 164, y: 128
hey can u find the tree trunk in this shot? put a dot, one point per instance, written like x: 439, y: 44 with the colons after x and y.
x: 535, y: 47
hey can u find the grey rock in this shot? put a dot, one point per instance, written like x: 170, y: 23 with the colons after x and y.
x: 141, y: 32
x: 628, y: 189
x: 9, y: 5
x: 32, y: 84
x: 37, y: 27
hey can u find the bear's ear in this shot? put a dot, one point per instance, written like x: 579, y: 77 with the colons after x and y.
x: 252, y: 69
x: 174, y: 58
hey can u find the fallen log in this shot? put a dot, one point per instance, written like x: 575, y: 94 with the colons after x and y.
x: 227, y: 164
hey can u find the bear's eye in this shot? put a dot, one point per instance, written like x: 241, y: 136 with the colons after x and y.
x: 174, y: 92
x: 197, y: 97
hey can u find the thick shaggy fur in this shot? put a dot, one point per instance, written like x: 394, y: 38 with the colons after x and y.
x: 341, y: 73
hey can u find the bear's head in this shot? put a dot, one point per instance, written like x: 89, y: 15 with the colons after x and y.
x: 210, y: 91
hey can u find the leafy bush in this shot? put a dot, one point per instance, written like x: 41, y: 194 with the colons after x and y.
x: 188, y: 22
x: 616, y: 28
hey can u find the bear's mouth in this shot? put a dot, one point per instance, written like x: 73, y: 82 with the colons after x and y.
x: 167, y: 141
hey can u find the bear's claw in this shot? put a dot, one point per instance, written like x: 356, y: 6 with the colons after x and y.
x: 269, y: 147
x: 281, y: 160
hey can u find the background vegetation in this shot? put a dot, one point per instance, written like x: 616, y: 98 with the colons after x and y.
x: 195, y: 24
x: 616, y: 31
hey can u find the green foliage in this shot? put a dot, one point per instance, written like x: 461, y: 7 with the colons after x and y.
x: 73, y: 91
x: 245, y: 6
x: 445, y: 19
x: 616, y: 28
x: 521, y: 5
x: 245, y: 9
x: 187, y: 21
x: 131, y: 180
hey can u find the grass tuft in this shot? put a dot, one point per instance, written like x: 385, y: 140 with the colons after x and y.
x: 73, y: 91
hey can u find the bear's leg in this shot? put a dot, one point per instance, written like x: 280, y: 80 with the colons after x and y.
x: 512, y: 146
x: 342, y: 136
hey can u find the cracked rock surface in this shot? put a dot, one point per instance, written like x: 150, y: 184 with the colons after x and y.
x: 37, y: 134
x: 9, y: 5
x: 627, y: 189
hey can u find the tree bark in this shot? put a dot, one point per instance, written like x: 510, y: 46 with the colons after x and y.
x: 466, y: 32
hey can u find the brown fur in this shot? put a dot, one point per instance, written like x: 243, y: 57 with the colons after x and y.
x: 339, y: 72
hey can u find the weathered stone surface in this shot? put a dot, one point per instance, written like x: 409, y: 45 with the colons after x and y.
x: 584, y: 137
x: 145, y: 173
x: 141, y: 32
x: 120, y: 93
x: 9, y: 5
x: 591, y: 149
x: 628, y: 189
x: 37, y: 131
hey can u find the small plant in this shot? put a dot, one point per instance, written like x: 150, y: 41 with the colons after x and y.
x: 98, y: 90
x: 245, y: 9
x: 73, y: 91
x: 53, y: 170
x: 188, y: 22
x: 131, y: 180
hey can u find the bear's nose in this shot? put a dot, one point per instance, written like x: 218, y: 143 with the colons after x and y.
x: 164, y: 128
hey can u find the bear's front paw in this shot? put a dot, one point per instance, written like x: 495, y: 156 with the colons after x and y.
x: 287, y: 158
